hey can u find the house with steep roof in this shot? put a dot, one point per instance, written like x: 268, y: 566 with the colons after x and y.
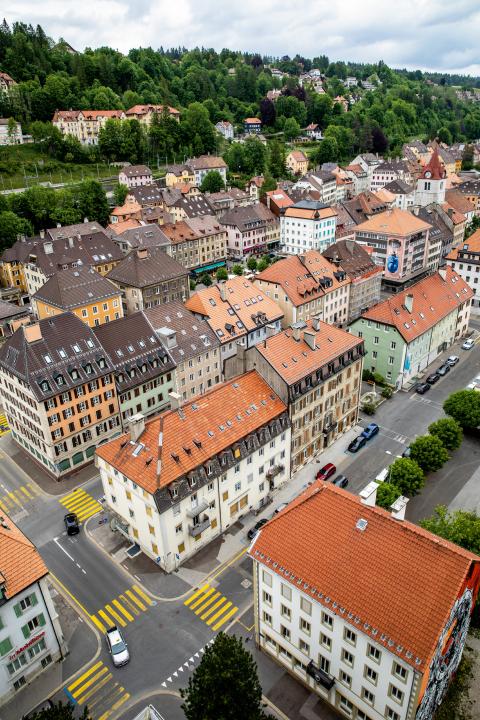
x: 11, y: 317
x: 316, y: 370
x: 297, y: 162
x: 145, y: 113
x: 135, y: 176
x: 204, y: 164
x: 252, y: 125
x: 406, y: 332
x: 85, y: 125
x: 277, y: 200
x: 225, y: 128
x: 147, y: 196
x: 307, y: 285
x: 464, y: 259
x: 31, y: 638
x: 313, y: 132
x: 404, y: 194
x: 322, y: 181
x: 186, y: 205
x: 252, y: 230
x: 148, y: 276
x: 58, y: 393
x: 178, y: 481
x: 145, y: 235
x: 83, y: 291
x: 367, y: 610
x: 198, y: 243
x: 387, y: 172
x: 470, y: 189
x: 307, y: 225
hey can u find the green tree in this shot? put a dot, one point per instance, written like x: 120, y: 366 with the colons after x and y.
x: 262, y: 264
x: 10, y: 226
x: 92, y: 201
x: 461, y: 527
x: 407, y: 476
x: 255, y: 156
x: 428, y: 452
x: 225, y: 685
x: 291, y: 129
x: 276, y: 159
x: 327, y: 151
x: 448, y: 431
x: 59, y: 711
x: 387, y: 494
x: 110, y: 140
x: 120, y: 192
x: 11, y: 129
x: 464, y: 407
x: 252, y: 263
x: 237, y: 270
x: 198, y: 129
x: 212, y: 182
x: 206, y: 279
x: 444, y: 135
x: 222, y: 274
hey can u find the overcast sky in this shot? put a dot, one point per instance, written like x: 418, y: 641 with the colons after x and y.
x: 428, y: 34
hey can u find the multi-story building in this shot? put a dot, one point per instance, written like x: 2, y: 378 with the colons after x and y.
x: 179, y: 175
x: 147, y: 196
x: 145, y: 113
x: 305, y: 286
x: 185, y: 205
x: 316, y: 370
x: 403, y: 192
x: 6, y: 82
x: 179, y: 481
x: 471, y: 190
x: 406, y: 332
x: 252, y: 125
x: 201, y: 166
x: 58, y: 392
x: 252, y: 230
x: 11, y: 317
x: 365, y: 277
x: 387, y: 172
x: 135, y: 176
x: 401, y: 245
x: 31, y: 638
x: 147, y: 235
x: 10, y: 132
x: 307, y: 225
x: 148, y: 277
x: 85, y: 125
x: 192, y: 344
x: 83, y: 291
x: 199, y: 244
x: 322, y: 181
x: 359, y: 177
x: 225, y: 128
x: 465, y: 261
x: 373, y: 637
x: 431, y: 184
x: 297, y: 162
x: 142, y: 366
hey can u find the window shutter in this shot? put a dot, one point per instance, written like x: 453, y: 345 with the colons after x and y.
x: 41, y: 620
x: 5, y: 646
x: 17, y: 609
x: 1, y: 624
x: 26, y: 631
x: 33, y: 599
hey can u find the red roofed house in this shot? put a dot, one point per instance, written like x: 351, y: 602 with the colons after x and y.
x: 85, y: 125
x: 179, y: 480
x: 313, y: 132
x: 145, y: 113
x: 465, y: 260
x: 362, y: 607
x: 297, y: 162
x: 252, y: 125
x: 406, y: 332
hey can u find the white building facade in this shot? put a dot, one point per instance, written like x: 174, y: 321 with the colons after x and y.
x: 307, y: 227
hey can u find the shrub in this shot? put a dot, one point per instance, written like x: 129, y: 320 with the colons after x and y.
x: 368, y: 408
x: 206, y: 279
x: 387, y: 392
x: 387, y: 493
x: 407, y: 475
x: 367, y: 375
x: 378, y: 379
x: 237, y: 270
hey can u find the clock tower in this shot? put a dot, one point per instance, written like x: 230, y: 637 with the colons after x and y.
x: 431, y: 184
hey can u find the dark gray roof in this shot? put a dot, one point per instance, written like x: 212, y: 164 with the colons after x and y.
x: 195, y: 205
x: 193, y: 335
x: 146, y: 266
x: 146, y: 195
x: 350, y: 257
x: 246, y: 217
x: 144, y: 236
x: 392, y: 166
x: 310, y: 205
x: 134, y: 350
x: 67, y: 354
x: 72, y: 288
x: 9, y: 310
x: 136, y: 170
x: 471, y: 187
x: 66, y: 231
x: 439, y: 229
x: 399, y: 187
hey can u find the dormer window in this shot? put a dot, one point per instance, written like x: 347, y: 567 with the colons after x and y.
x: 88, y: 368
x: 74, y: 374
x: 132, y: 372
x: 45, y: 386
x: 174, y: 492
x: 101, y: 363
x: 59, y: 380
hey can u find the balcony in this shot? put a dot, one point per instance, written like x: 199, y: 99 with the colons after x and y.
x: 329, y: 426
x: 274, y: 471
x: 320, y: 676
x: 200, y: 507
x: 195, y: 530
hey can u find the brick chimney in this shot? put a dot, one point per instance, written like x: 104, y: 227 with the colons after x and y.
x: 222, y: 289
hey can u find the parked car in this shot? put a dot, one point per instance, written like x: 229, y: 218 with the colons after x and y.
x: 468, y: 345
x: 475, y: 384
x: 117, y: 647
x: 326, y: 472
x: 357, y: 443
x: 432, y: 378
x: 71, y: 524
x: 281, y: 507
x: 422, y: 388
x: 407, y: 452
x: 452, y: 360
x: 254, y: 530
x: 370, y: 431
x: 340, y: 481
x: 443, y: 369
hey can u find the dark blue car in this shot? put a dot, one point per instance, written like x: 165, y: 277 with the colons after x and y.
x: 370, y: 431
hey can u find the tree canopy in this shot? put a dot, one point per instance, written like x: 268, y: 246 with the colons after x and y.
x: 464, y: 407
x: 428, y: 452
x: 460, y: 526
x: 448, y: 431
x: 407, y: 476
x: 387, y: 493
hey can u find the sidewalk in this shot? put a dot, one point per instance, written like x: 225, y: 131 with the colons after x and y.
x: 82, y: 645
x: 218, y: 552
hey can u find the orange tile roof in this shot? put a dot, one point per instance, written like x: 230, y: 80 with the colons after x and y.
x: 457, y: 217
x: 120, y: 227
x: 127, y: 208
x: 242, y: 300
x: 433, y: 299
x: 20, y: 562
x: 293, y: 359
x: 472, y: 243
x: 310, y: 214
x: 301, y: 280
x: 385, y: 195
x: 218, y: 419
x: 393, y: 222
x: 279, y: 197
x: 458, y: 201
x: 253, y: 120
x: 178, y: 232
x: 398, y: 579
x: 298, y: 155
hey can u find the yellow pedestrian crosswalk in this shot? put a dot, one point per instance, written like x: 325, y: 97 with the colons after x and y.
x: 12, y: 501
x: 4, y: 426
x: 211, y: 606
x: 97, y: 689
x: 81, y: 503
x: 122, y: 610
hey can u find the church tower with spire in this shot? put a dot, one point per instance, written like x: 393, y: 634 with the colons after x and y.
x: 431, y: 184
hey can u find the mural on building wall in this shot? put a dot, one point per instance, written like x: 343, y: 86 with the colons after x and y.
x: 448, y: 653
x: 395, y: 260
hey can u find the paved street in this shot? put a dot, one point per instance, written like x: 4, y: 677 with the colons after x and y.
x: 167, y: 638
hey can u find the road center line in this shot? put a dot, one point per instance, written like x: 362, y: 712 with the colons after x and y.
x: 55, y: 540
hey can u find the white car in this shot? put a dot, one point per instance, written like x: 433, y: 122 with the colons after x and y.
x: 468, y: 345
x: 117, y: 647
x: 475, y: 384
x: 452, y: 360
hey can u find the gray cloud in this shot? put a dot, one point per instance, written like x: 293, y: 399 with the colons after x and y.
x: 427, y: 34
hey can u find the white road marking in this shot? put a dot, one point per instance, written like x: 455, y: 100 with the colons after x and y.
x: 389, y: 452
x: 55, y: 540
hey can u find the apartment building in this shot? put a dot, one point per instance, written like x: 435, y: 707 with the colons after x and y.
x: 387, y: 172
x: 31, y: 638
x: 182, y: 205
x: 58, y: 392
x: 305, y: 286
x: 84, y: 125
x: 322, y: 181
x: 307, y: 225
x: 11, y: 317
x: 145, y: 113
x: 134, y: 176
x: 143, y: 369
x: 252, y: 230
x: 83, y: 291
x: 316, y: 370
x: 201, y: 166
x: 236, y: 310
x: 318, y: 567
x: 179, y: 175
x: 465, y: 261
x: 192, y: 345
x: 297, y: 162
x: 148, y: 277
x: 406, y: 332
x: 147, y: 196
x: 199, y: 243
x: 178, y: 481
x: 225, y: 128
x: 146, y: 235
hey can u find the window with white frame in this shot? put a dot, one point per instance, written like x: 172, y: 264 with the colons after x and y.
x: 286, y: 592
x: 368, y: 696
x: 371, y: 674
x: 396, y: 694
x: 374, y: 653
x: 267, y: 578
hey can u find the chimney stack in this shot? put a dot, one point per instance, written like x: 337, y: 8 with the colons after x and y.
x: 409, y: 302
x: 443, y: 274
x: 398, y: 508
x: 142, y: 253
x: 309, y: 338
x: 32, y: 332
x: 222, y: 289
x: 368, y: 495
x: 316, y: 323
x: 42, y: 234
x: 137, y: 426
x: 174, y: 398
x: 270, y: 330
